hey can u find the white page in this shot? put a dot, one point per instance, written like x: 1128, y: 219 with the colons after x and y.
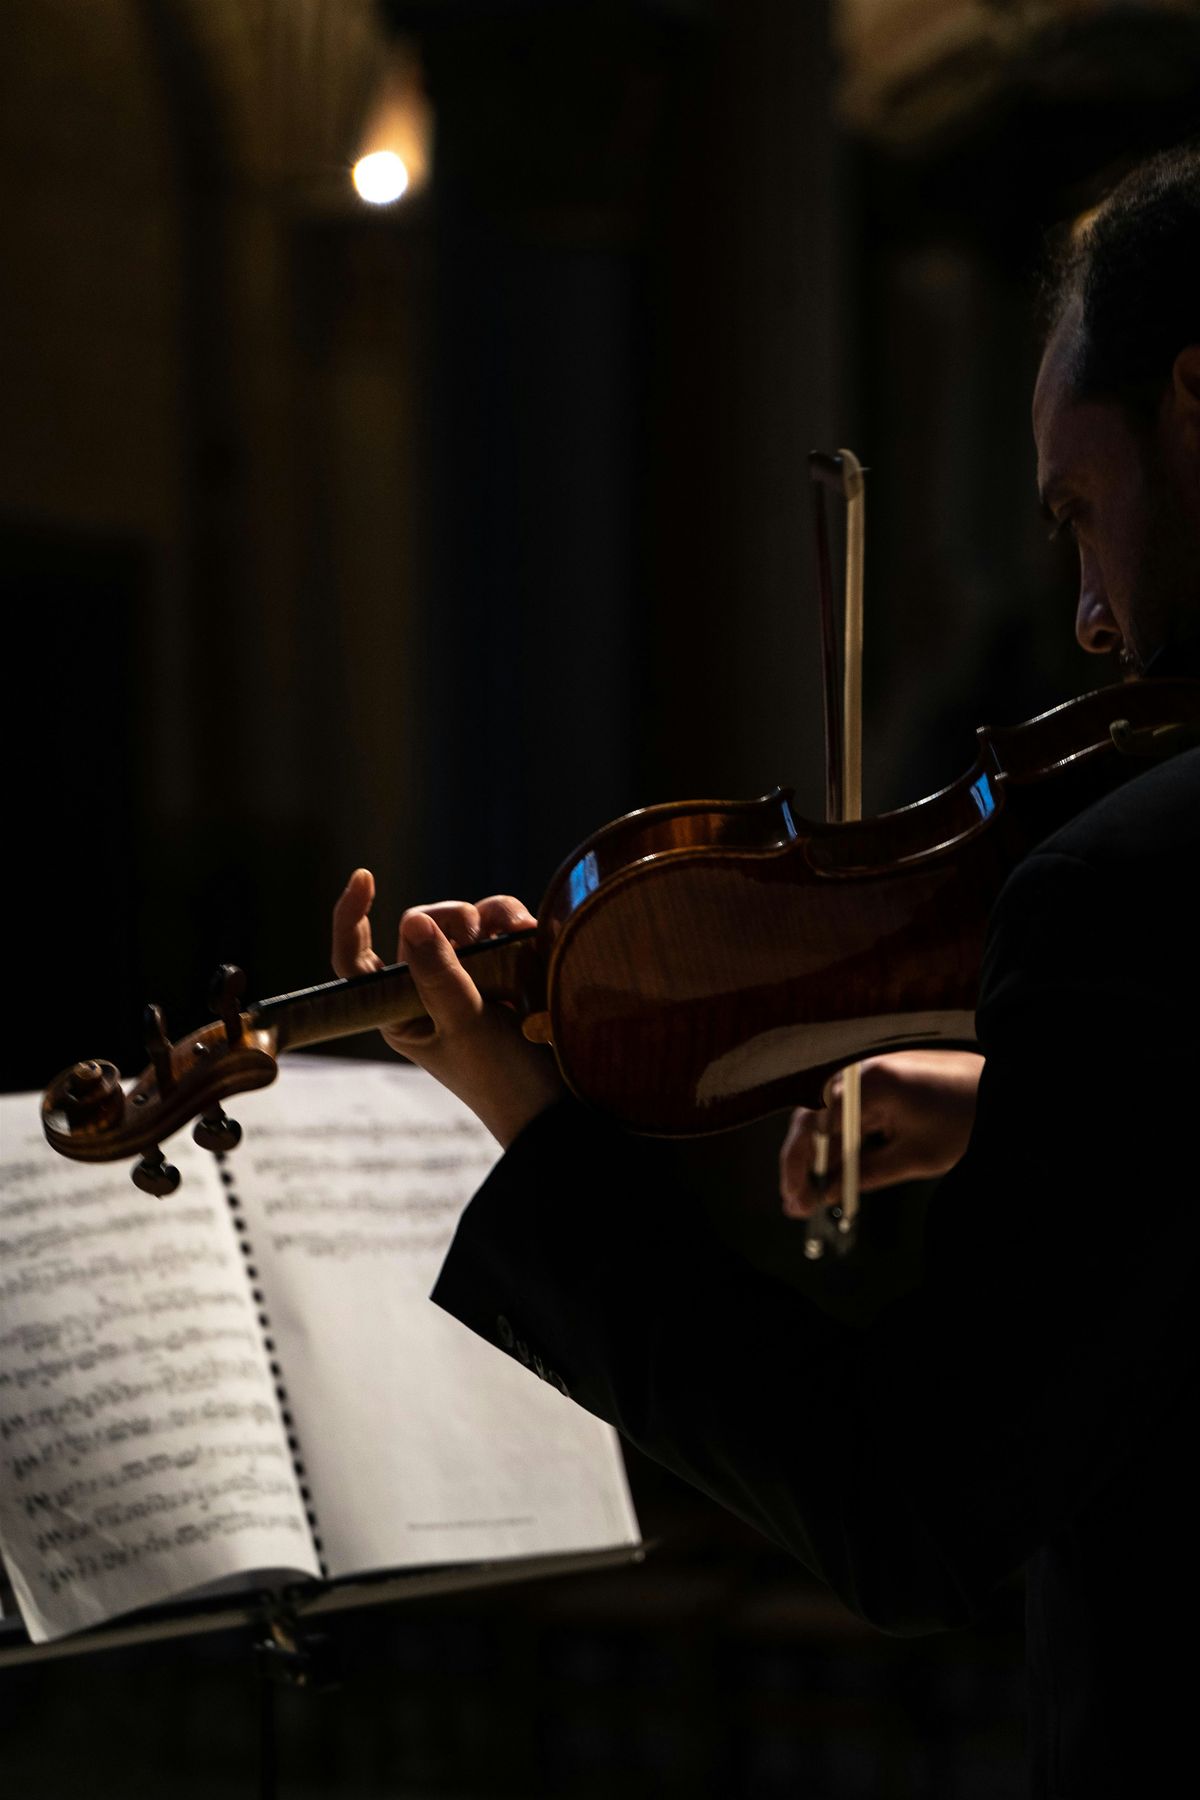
x: 422, y: 1444
x: 141, y: 1450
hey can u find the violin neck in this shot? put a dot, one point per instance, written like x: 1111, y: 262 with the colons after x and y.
x: 504, y: 969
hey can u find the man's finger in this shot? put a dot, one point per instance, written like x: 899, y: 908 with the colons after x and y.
x: 351, y: 950
x: 501, y: 913
x: 447, y: 992
x: 796, y: 1158
x: 457, y: 920
x: 883, y: 1161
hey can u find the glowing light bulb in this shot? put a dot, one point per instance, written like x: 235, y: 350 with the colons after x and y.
x: 380, y: 178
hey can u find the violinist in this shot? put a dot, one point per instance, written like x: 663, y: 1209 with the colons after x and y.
x: 1033, y: 1403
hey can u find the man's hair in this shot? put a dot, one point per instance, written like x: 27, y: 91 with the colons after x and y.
x: 1134, y: 265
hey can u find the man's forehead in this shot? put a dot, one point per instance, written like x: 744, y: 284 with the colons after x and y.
x: 1053, y: 407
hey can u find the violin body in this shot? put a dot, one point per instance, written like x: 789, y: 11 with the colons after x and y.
x: 702, y: 987
x: 699, y: 965
x: 707, y: 964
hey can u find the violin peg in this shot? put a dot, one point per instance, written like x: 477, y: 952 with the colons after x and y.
x: 158, y: 1047
x: 154, y: 1174
x: 224, y: 996
x: 216, y: 1131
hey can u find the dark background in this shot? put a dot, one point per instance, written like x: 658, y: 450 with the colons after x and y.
x: 431, y: 538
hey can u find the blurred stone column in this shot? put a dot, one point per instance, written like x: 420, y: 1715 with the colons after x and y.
x: 638, y: 249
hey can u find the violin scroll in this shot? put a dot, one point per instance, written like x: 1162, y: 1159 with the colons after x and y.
x: 90, y: 1116
x: 89, y: 1095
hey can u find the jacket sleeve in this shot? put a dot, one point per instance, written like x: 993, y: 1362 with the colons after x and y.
x: 914, y: 1464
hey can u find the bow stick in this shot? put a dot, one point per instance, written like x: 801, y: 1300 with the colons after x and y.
x: 841, y: 473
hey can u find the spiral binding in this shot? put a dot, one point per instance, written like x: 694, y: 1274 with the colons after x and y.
x: 281, y: 1393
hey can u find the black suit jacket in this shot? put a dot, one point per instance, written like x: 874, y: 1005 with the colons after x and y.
x: 1032, y: 1403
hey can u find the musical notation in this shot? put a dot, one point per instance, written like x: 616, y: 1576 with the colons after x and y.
x: 141, y: 1449
x: 248, y: 1380
x: 354, y: 1189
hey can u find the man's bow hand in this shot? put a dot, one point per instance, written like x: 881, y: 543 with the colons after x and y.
x: 918, y: 1107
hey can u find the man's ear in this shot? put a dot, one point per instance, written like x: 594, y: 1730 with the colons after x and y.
x: 1185, y: 377
x: 1184, y: 405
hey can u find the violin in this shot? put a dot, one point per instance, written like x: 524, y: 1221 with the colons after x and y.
x: 695, y: 965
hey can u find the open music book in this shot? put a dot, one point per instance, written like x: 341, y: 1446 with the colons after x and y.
x: 245, y: 1384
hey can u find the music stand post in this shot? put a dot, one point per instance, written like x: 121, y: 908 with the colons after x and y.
x: 287, y: 1648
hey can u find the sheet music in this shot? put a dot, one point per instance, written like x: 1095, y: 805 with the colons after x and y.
x: 141, y: 1449
x: 421, y: 1443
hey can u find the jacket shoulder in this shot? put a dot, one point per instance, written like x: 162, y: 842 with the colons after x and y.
x: 1153, y: 817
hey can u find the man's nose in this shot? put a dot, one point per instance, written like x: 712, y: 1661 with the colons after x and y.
x: 1095, y: 627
